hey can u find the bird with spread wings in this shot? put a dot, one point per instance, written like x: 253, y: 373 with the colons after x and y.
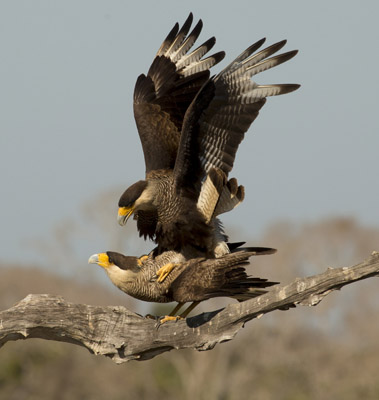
x: 190, y: 126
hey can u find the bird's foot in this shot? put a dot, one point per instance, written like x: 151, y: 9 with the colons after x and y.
x: 164, y: 271
x: 142, y: 259
x: 167, y: 318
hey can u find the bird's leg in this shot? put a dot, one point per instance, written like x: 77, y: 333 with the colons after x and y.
x: 164, y: 271
x: 189, y: 309
x: 173, y: 317
x: 176, y: 309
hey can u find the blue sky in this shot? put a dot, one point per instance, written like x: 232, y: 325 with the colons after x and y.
x: 67, y: 76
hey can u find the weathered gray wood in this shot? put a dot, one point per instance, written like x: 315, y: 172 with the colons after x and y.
x: 123, y: 335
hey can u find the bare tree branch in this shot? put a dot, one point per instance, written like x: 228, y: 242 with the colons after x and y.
x: 123, y: 335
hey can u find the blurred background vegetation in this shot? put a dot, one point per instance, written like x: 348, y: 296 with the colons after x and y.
x: 330, y: 351
x: 68, y: 72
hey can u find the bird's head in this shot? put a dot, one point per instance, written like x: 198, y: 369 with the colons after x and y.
x: 120, y: 269
x: 133, y: 199
x: 112, y: 259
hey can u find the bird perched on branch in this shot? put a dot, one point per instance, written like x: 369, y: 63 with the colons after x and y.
x: 192, y: 280
x: 190, y: 126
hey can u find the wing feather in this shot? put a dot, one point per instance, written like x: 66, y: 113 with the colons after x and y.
x: 162, y: 97
x: 220, y: 277
x: 221, y: 113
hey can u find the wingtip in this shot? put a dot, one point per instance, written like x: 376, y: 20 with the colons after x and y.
x: 261, y: 41
x: 289, y: 54
x: 289, y: 87
x: 219, y: 56
x: 187, y: 23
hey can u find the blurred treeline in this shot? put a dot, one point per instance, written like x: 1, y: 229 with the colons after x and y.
x: 327, y: 352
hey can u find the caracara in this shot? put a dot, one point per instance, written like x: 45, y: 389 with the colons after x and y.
x: 193, y: 280
x: 190, y: 126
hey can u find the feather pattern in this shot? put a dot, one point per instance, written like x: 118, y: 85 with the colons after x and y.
x: 197, y: 279
x: 190, y: 125
x: 162, y: 97
x: 223, y: 110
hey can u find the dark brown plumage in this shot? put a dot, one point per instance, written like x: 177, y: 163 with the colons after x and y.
x: 194, y: 280
x: 190, y: 126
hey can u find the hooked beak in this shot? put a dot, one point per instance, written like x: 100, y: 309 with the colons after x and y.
x: 123, y: 214
x: 101, y: 259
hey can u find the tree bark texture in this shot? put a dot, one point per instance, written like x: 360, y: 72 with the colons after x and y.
x: 122, y: 335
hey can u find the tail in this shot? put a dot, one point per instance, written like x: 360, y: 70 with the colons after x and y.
x: 256, y: 251
x: 231, y: 280
x: 219, y: 277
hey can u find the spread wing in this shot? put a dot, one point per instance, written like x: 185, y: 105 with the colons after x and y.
x: 162, y: 97
x: 221, y: 113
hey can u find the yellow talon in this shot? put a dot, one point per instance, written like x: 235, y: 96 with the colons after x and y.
x: 169, y: 318
x: 163, y: 272
x: 142, y: 259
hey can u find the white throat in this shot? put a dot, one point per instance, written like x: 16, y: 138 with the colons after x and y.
x: 120, y: 277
